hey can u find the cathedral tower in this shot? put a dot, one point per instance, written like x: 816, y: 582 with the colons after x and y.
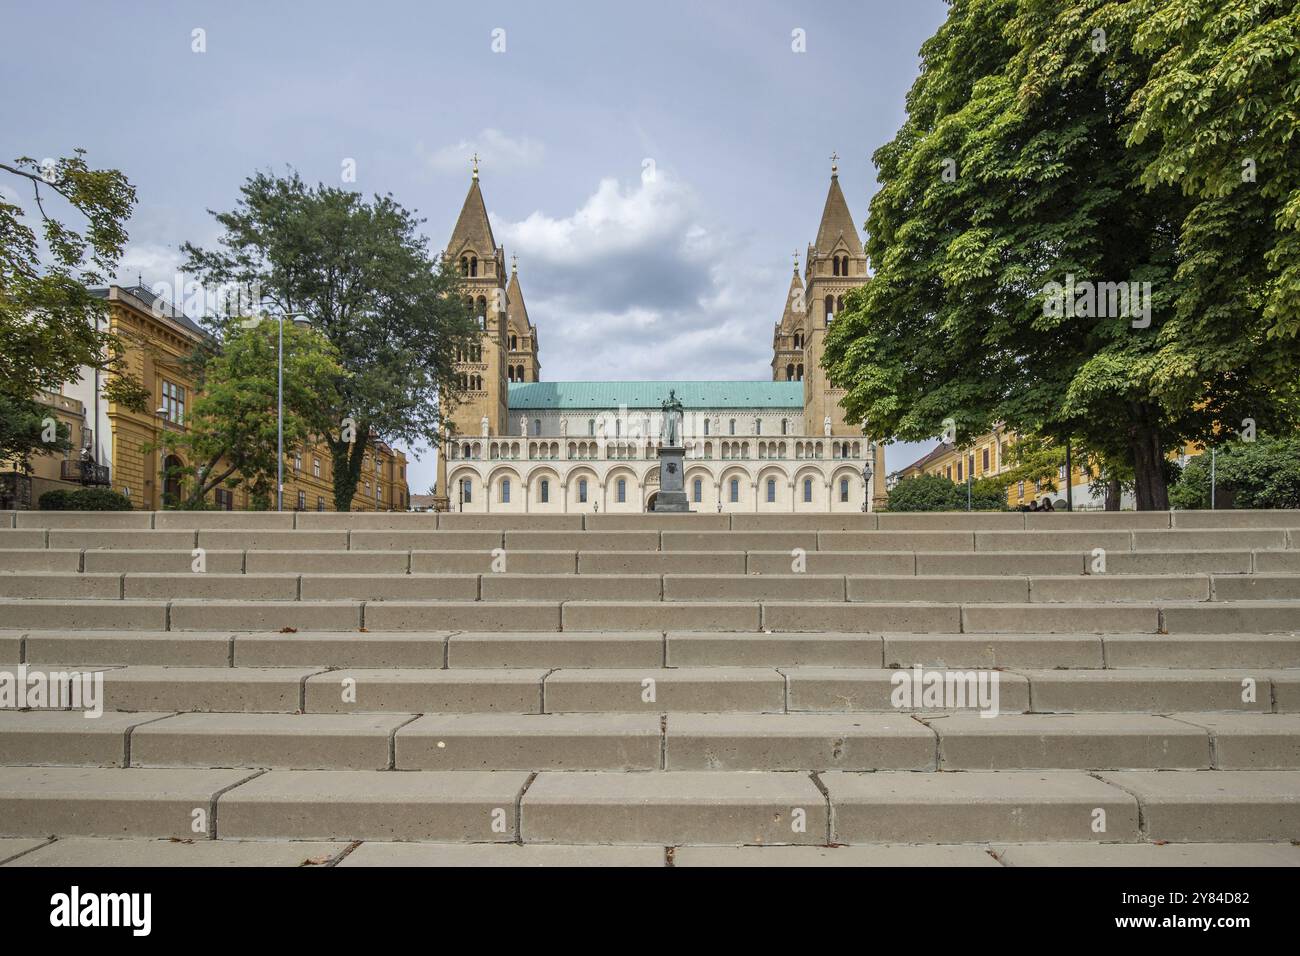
x: 521, y: 336
x: 835, y: 264
x: 788, y: 337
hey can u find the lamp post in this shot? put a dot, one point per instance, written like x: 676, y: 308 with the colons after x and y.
x: 868, y: 467
x: 279, y: 407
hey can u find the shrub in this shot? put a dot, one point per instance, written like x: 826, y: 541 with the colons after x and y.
x: 1264, y: 473
x: 84, y: 499
x: 935, y: 493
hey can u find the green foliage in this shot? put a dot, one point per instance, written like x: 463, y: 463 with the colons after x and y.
x: 362, y: 275
x: 1264, y: 473
x: 24, y: 430
x: 936, y: 493
x: 84, y: 499
x: 50, y: 324
x: 232, y: 435
x: 1065, y: 156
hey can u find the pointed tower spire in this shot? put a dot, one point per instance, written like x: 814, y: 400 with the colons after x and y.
x: 837, y: 221
x: 472, y: 226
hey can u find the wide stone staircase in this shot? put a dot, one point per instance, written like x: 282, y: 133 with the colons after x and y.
x: 730, y: 689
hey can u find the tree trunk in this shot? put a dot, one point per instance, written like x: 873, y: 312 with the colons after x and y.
x: 347, y: 459
x: 1114, y: 494
x: 1148, y: 465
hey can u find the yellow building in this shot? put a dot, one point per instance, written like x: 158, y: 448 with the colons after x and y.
x: 157, y: 339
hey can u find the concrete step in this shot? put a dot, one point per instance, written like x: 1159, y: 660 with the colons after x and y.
x: 455, y: 806
x: 1148, y: 691
x: 854, y: 689
x: 151, y: 561
x: 412, y: 691
x: 1214, y: 806
x: 1201, y: 650
x: 340, y: 649
x: 672, y: 808
x: 489, y: 562
x: 66, y: 738
x: 1068, y: 742
x: 96, y: 852
x: 662, y: 562
x: 276, y: 690
x: 979, y: 807
x: 60, y: 584
x: 750, y: 690
x: 1250, y: 741
x: 18, y: 559
x: 549, y: 649
x: 797, y: 742
x: 502, y: 854
x: 281, y: 741
x: 571, y: 587
x: 541, y: 742
x: 836, y: 855
x: 715, y: 649
x: 78, y: 801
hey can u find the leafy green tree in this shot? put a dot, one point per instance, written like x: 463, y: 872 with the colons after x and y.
x: 50, y: 324
x: 362, y: 275
x: 1017, y: 168
x: 231, y: 435
x: 1264, y: 473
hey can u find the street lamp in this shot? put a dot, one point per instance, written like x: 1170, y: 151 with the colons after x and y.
x: 868, y: 468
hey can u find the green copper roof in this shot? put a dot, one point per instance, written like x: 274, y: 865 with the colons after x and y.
x: 610, y: 395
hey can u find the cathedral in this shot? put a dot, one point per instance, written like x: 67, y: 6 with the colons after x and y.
x: 520, y: 444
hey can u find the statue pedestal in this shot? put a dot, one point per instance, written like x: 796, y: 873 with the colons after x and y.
x: 672, y: 484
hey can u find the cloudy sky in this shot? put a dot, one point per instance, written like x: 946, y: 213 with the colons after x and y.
x: 653, y: 166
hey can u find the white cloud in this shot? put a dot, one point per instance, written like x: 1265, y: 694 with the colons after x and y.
x: 152, y: 260
x: 495, y: 149
x: 638, y: 283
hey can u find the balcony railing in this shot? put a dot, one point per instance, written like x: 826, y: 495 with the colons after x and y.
x: 84, y: 472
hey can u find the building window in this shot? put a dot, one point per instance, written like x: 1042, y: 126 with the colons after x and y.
x: 537, y: 426
x: 1020, y: 489
x: 546, y: 491
x: 225, y: 499
x: 959, y: 471
x: 466, y: 490
x: 735, y: 489
x: 582, y: 490
x: 986, y: 460
x: 591, y: 428
x: 297, y: 463
x: 844, y: 489
x: 758, y: 426
x: 697, y: 490
x: 807, y: 489
x: 771, y: 490
x: 706, y: 427
x: 302, y: 501
x: 320, y: 503
x: 731, y: 427
x: 785, y: 426
x: 1061, y: 473
x: 505, y: 491
x: 315, y: 468
x: 622, y: 490
x: 173, y: 402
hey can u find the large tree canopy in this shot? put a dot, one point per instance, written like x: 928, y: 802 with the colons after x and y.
x: 1035, y: 170
x: 361, y: 274
x: 51, y: 326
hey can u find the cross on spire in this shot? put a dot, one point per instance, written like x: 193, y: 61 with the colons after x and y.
x: 476, y: 165
x: 796, y: 262
x: 514, y: 263
x: 835, y: 160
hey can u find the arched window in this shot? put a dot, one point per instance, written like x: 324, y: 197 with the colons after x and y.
x: 473, y: 266
x: 785, y: 426
x: 537, y: 426
x: 482, y: 306
x: 514, y: 343
x: 466, y: 490
x: 758, y: 426
x: 697, y: 490
x: 830, y: 308
x: 510, y: 372
x: 844, y: 489
x: 735, y: 489
x: 839, y: 304
x: 789, y: 372
x: 464, y: 265
x: 505, y: 491
x: 807, y: 489
x: 591, y: 427
x: 799, y: 373
x: 582, y: 490
x: 771, y: 490
x: 546, y: 490
x: 706, y: 426
x: 622, y: 490
x: 731, y: 427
